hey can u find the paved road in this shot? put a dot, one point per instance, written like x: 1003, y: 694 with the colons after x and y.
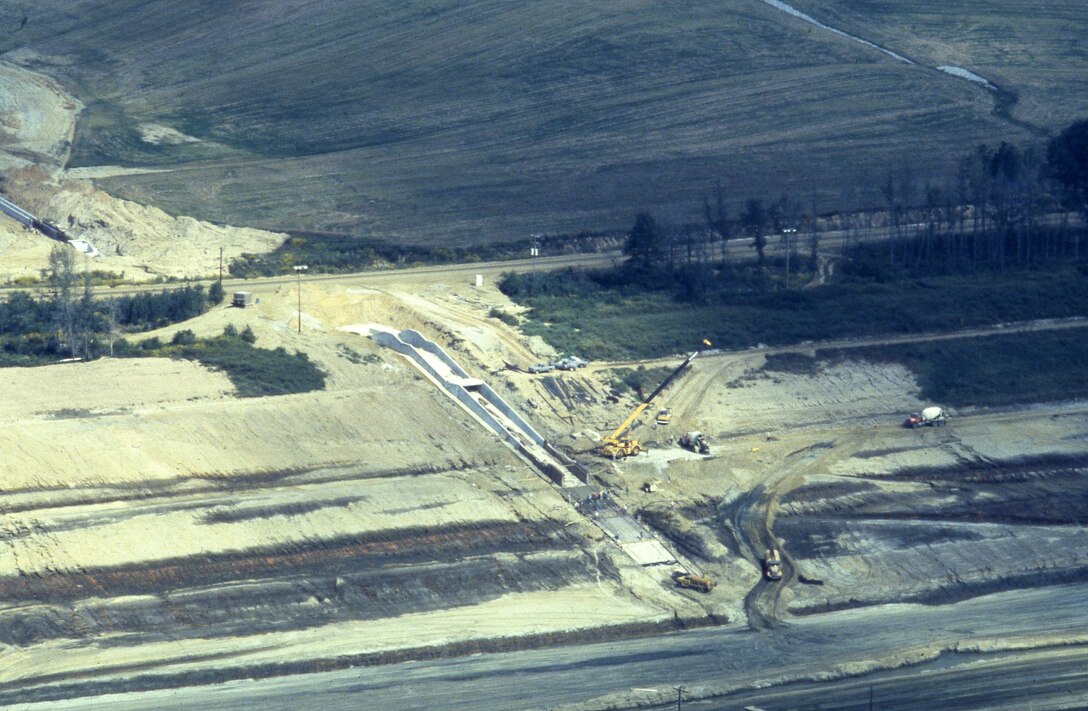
x: 738, y: 249
x: 724, y: 663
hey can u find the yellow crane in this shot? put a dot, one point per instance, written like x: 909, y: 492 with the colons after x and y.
x: 619, y: 446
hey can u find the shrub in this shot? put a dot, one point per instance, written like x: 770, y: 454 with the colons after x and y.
x: 248, y: 336
x: 216, y: 294
x: 256, y: 372
x: 619, y: 324
x: 184, y: 337
x: 507, y: 318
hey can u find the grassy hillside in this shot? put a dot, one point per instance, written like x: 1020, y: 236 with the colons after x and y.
x: 461, y: 122
x: 1034, y: 49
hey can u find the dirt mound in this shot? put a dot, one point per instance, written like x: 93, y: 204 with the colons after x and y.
x: 37, y: 123
x: 37, y: 118
x: 144, y: 241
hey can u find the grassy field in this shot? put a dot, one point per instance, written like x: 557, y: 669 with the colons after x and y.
x: 609, y: 324
x: 996, y: 370
x: 1035, y: 50
x: 457, y: 123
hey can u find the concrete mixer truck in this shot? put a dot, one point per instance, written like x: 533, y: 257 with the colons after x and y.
x: 932, y: 416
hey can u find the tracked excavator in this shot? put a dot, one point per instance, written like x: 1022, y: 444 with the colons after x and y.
x: 619, y: 446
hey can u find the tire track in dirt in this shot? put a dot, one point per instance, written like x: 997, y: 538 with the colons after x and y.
x: 751, y: 519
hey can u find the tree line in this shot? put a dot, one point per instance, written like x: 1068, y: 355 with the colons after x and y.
x: 1004, y: 207
x: 65, y: 320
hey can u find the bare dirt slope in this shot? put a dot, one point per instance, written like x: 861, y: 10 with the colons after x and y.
x: 37, y: 122
x: 865, y: 511
x: 154, y: 524
x: 159, y: 531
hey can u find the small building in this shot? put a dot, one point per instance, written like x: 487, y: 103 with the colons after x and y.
x: 242, y: 299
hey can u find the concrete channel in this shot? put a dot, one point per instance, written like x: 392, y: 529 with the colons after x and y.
x: 481, y: 400
x: 488, y: 407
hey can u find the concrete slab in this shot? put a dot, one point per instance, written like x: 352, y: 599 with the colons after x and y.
x: 648, y: 552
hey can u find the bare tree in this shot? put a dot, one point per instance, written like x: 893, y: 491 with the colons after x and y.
x: 61, y: 277
x: 112, y: 314
x: 717, y: 219
x: 73, y: 313
x: 754, y: 219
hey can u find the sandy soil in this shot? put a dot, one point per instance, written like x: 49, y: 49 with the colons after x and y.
x: 143, y: 499
x: 152, y: 519
x: 37, y: 122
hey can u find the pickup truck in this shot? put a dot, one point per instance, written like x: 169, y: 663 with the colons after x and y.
x: 569, y: 363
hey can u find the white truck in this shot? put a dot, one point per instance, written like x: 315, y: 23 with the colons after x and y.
x: 931, y: 416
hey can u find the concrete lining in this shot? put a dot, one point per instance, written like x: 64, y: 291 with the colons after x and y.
x: 480, y: 399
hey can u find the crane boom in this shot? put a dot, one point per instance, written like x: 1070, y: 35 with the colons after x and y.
x: 627, y: 423
x: 618, y: 446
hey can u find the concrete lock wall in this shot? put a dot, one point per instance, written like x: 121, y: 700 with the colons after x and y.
x: 500, y: 404
x: 466, y: 397
x: 18, y: 213
x: 575, y: 468
x: 389, y: 340
x: 410, y: 343
x: 394, y: 342
x: 418, y: 340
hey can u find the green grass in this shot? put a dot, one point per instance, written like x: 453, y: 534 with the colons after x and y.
x: 611, y: 325
x: 255, y: 372
x: 992, y: 370
x: 106, y: 134
x: 497, y: 120
x: 17, y: 360
x: 1034, y: 49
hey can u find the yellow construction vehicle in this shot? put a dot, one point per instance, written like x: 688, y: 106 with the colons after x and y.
x: 619, y: 446
x: 702, y: 583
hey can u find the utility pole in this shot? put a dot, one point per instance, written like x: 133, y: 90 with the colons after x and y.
x: 679, y: 697
x: 299, y: 268
x: 220, y: 265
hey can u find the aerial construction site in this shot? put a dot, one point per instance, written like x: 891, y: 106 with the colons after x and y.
x: 464, y: 514
x: 162, y: 533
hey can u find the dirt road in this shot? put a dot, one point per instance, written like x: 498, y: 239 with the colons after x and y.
x: 936, y: 657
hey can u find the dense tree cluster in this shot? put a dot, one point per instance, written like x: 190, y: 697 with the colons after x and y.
x: 144, y: 311
x: 66, y: 321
